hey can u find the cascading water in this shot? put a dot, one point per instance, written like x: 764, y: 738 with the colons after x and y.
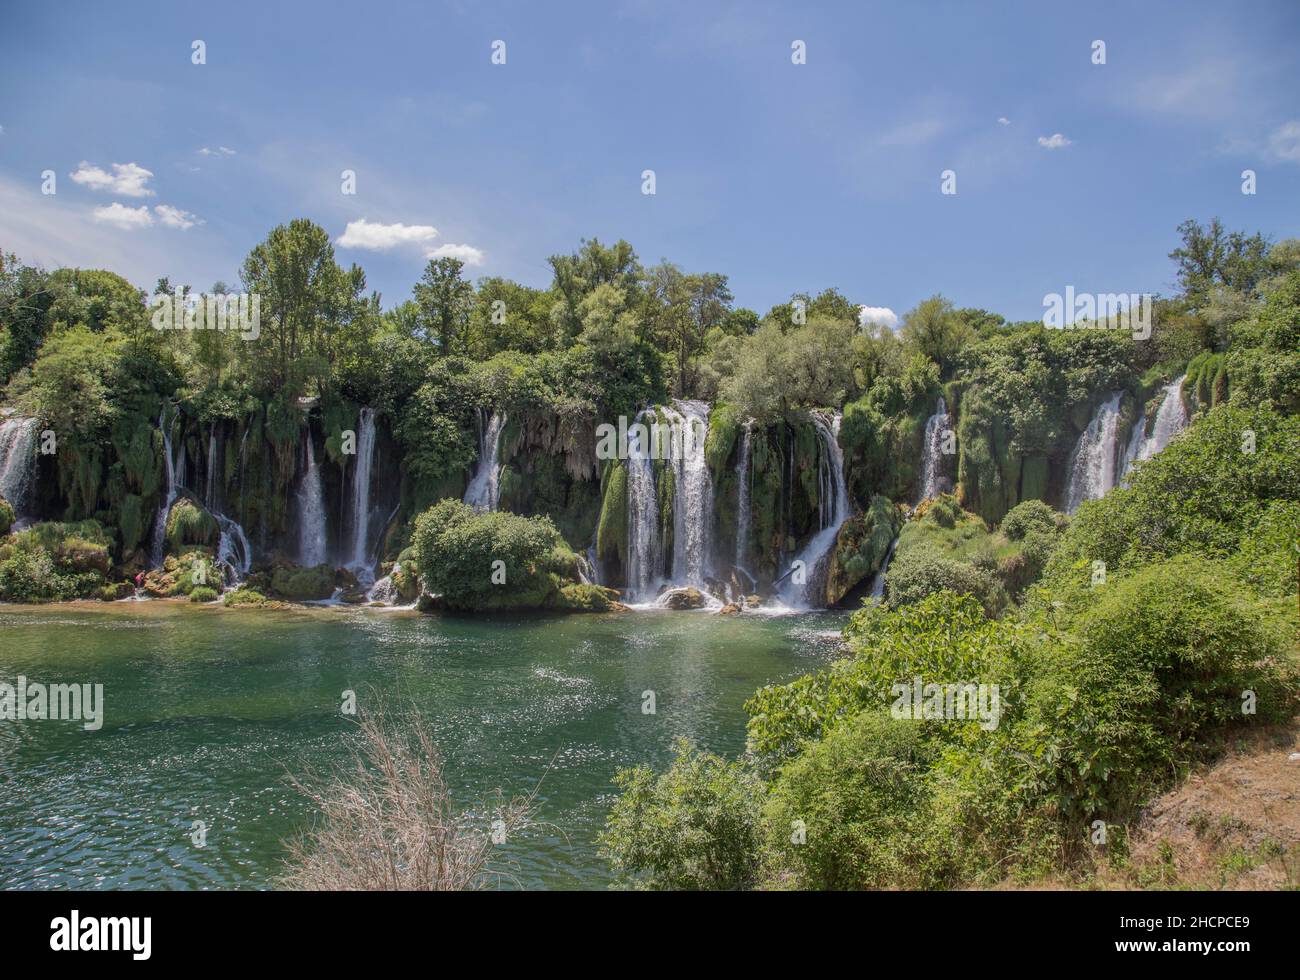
x: 18, y: 463
x: 833, y: 509
x: 744, y: 517
x: 209, y: 496
x: 1092, y: 472
x: 484, y: 490
x: 311, y: 512
x: 937, y: 428
x: 1171, y: 419
x: 645, y: 555
x: 234, y: 553
x: 878, y: 583
x: 692, y: 492
x: 360, y: 564
x: 175, y: 475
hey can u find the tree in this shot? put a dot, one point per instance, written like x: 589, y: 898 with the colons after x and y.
x: 292, y: 271
x: 26, y: 295
x: 935, y: 329
x: 445, y: 300
x: 1210, y: 256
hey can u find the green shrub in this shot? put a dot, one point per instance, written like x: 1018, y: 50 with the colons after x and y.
x: 244, y: 597
x: 860, y: 799
x: 696, y: 827
x: 1030, y: 515
x: 945, y: 638
x: 6, y: 516
x: 53, y: 562
x: 914, y: 575
x: 1165, y: 657
x: 204, y: 594
x: 460, y: 552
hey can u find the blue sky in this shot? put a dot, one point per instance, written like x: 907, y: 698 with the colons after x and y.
x: 785, y: 177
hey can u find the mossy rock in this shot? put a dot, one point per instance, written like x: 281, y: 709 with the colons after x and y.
x: 861, y: 547
x: 299, y: 584
x: 189, y: 524
x: 583, y: 597
x: 116, y: 590
x: 182, y: 574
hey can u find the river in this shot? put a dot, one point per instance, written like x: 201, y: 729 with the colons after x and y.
x: 208, y: 710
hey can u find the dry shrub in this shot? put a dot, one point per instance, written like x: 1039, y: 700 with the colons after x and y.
x: 393, y: 826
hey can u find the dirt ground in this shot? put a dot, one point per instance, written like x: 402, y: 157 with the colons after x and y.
x: 1231, y: 825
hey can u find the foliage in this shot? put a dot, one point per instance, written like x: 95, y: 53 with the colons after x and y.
x: 490, y: 560
x: 852, y: 812
x: 696, y: 826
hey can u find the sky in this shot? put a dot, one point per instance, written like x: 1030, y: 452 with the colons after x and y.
x: 785, y: 177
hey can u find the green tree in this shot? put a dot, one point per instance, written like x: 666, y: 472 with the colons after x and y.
x: 445, y: 299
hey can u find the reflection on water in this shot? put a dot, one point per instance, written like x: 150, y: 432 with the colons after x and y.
x: 207, y: 710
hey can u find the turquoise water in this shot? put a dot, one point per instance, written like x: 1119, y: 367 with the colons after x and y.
x: 208, y: 711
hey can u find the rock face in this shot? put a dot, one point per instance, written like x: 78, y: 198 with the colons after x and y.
x: 861, y: 547
x: 687, y: 598
x: 730, y: 609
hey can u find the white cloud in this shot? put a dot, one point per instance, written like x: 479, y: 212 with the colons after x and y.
x: 1284, y: 143
x: 127, y: 179
x: 466, y: 253
x: 125, y: 218
x: 176, y: 218
x: 1054, y: 142
x: 1003, y: 121
x: 877, y: 314
x: 220, y: 151
x: 380, y: 237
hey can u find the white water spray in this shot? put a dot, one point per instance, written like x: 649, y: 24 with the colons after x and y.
x: 833, y: 510
x: 484, y: 490
x: 311, y: 512
x: 1092, y: 470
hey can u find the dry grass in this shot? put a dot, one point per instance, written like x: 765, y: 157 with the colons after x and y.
x: 1232, y: 825
x: 392, y: 825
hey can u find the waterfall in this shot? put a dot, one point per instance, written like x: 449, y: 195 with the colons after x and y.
x: 936, y: 429
x: 209, y: 495
x: 1171, y: 419
x: 311, y: 511
x: 18, y: 463
x: 878, y: 583
x: 644, y: 553
x: 484, y: 489
x: 1092, y: 472
x: 833, y: 509
x: 234, y: 553
x: 384, y: 591
x: 175, y: 469
x: 360, y: 564
x: 744, y: 515
x: 692, y: 492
